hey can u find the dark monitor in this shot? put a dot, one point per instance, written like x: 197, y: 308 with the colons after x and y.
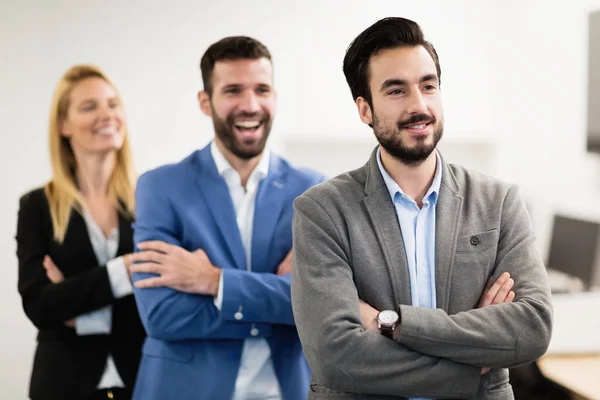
x: 575, y: 249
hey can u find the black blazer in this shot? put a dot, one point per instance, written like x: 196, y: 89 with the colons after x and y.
x: 68, y: 366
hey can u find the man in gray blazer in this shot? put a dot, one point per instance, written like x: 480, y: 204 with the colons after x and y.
x: 392, y: 260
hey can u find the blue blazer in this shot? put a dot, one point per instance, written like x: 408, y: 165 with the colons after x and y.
x: 193, y: 350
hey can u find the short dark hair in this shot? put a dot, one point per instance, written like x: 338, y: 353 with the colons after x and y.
x: 387, y: 33
x: 230, y: 48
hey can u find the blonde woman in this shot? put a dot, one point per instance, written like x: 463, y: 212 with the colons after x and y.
x: 74, y: 245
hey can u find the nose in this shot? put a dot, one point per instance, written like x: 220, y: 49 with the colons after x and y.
x: 249, y: 102
x: 417, y: 103
x: 107, y: 112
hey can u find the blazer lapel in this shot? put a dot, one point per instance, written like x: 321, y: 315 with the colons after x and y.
x: 381, y: 210
x: 446, y: 227
x: 269, y: 205
x: 216, y: 194
x: 78, y: 237
x: 125, y: 234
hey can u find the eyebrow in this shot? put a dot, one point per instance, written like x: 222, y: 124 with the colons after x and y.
x: 400, y: 82
x: 85, y: 102
x: 231, y: 86
x: 239, y: 86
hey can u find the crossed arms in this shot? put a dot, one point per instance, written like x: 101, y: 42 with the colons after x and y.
x: 436, y: 355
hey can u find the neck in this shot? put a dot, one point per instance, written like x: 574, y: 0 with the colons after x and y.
x: 93, y: 173
x: 242, y: 166
x: 414, y: 180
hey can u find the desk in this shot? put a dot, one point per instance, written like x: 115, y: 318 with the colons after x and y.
x: 580, y: 374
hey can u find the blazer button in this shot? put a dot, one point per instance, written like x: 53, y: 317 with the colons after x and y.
x: 475, y: 240
x: 238, y: 315
x: 254, y: 332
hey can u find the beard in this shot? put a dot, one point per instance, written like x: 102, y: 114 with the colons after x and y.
x: 244, y: 149
x: 390, y: 138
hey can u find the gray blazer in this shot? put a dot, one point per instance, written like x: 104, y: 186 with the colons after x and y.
x: 348, y: 246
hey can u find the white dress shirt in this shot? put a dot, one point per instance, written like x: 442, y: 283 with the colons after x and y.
x: 256, y: 378
x: 100, y: 321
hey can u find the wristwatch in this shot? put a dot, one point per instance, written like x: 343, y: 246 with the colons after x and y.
x: 387, y: 320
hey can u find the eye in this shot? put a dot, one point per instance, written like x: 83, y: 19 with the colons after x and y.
x: 232, y: 91
x: 395, y: 92
x: 263, y: 90
x: 429, y: 87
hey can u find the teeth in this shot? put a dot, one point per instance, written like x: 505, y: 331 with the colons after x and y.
x: 421, y: 126
x: 106, y: 131
x: 248, y: 124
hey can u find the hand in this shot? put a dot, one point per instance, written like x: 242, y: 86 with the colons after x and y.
x: 178, y: 268
x: 286, y: 265
x: 498, y: 293
x: 128, y: 260
x: 52, y: 271
x: 368, y: 317
x: 70, y: 323
x: 55, y: 276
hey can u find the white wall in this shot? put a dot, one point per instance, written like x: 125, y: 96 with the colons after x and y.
x: 514, y: 74
x: 542, y: 73
x: 594, y: 79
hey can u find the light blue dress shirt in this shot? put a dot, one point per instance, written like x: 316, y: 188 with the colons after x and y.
x: 418, y: 231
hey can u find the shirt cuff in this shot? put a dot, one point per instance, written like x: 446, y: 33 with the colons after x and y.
x: 119, y: 277
x: 219, y: 299
x: 95, y: 322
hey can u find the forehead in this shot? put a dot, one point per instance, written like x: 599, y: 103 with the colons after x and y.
x: 90, y: 88
x: 404, y: 63
x: 242, y: 72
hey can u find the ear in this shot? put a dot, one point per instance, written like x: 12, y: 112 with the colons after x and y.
x: 364, y: 110
x: 204, y: 102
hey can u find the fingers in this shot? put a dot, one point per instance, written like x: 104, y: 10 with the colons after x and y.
x: 490, y: 294
x: 48, y: 263
x: 156, y: 245
x: 510, y: 297
x: 128, y: 259
x: 148, y: 267
x: 488, y: 285
x: 503, y: 292
x: 285, y: 267
x: 52, y: 272
x: 148, y: 256
x: 151, y: 283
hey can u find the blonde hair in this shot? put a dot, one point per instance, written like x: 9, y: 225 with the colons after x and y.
x: 62, y: 191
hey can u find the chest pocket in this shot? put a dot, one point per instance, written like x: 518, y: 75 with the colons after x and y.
x: 473, y: 262
x: 477, y: 243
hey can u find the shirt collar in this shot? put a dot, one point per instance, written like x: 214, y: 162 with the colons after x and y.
x: 223, y: 166
x: 393, y: 187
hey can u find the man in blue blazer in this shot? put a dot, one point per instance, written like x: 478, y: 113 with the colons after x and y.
x: 214, y: 239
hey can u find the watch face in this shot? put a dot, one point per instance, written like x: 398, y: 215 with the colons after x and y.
x: 388, y: 317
